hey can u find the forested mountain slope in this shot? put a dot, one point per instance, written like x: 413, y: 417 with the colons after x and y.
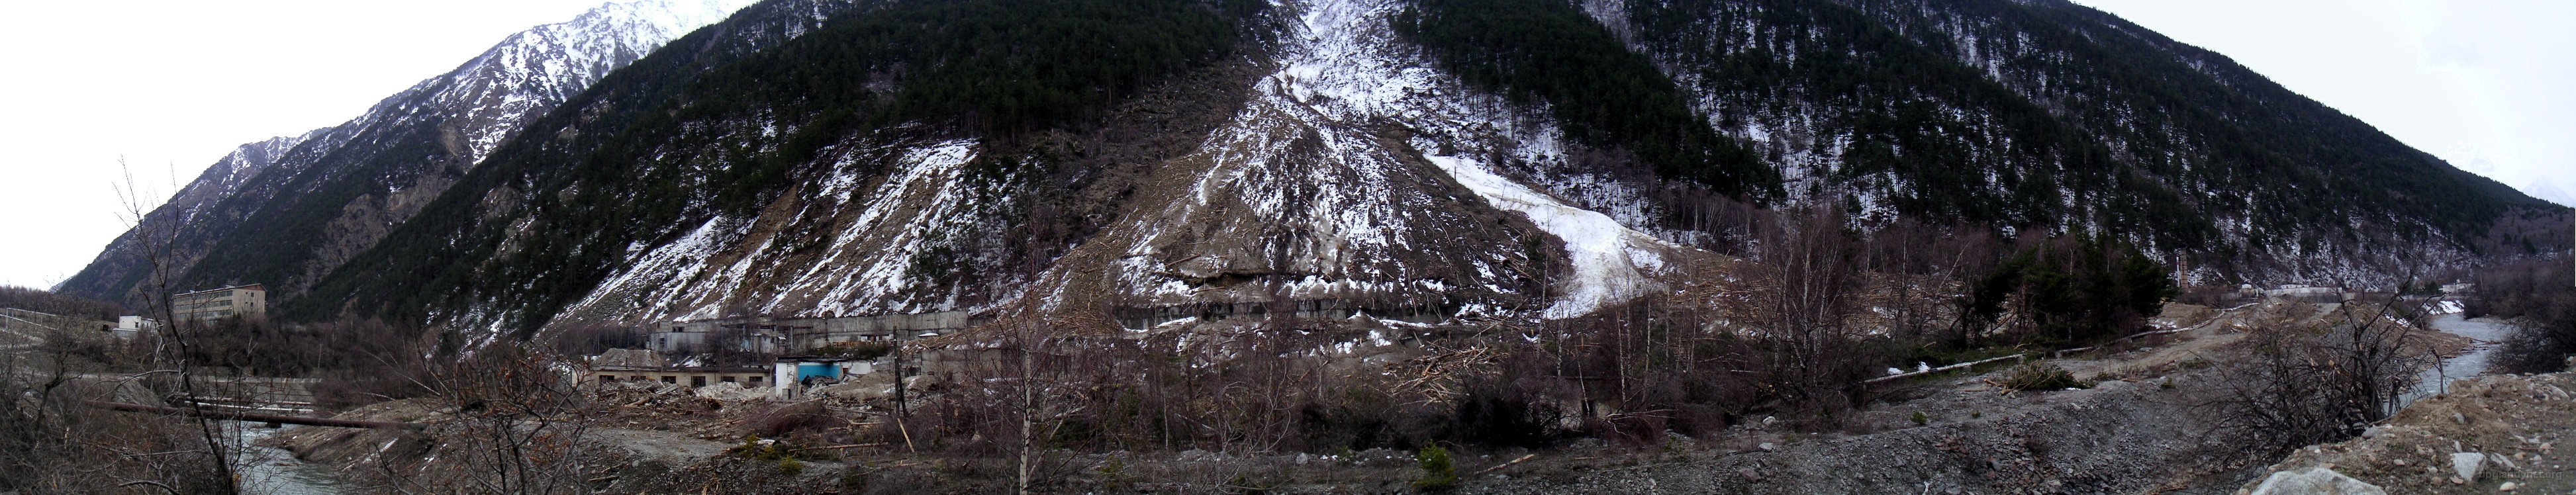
x: 2034, y: 113
x: 1075, y: 161
x: 284, y: 211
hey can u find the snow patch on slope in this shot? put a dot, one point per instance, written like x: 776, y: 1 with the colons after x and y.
x: 657, y: 278
x: 1348, y: 65
x: 1345, y: 76
x: 1609, y: 259
x: 921, y: 199
x: 883, y: 225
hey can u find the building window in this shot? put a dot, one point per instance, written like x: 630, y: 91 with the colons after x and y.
x: 607, y: 378
x: 728, y: 379
x: 698, y: 381
x: 755, y: 378
x: 670, y: 379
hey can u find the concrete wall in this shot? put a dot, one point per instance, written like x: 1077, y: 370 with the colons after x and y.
x: 752, y: 378
x: 1321, y: 309
x: 670, y: 342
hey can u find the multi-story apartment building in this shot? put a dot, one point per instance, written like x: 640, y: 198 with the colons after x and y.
x: 246, y: 301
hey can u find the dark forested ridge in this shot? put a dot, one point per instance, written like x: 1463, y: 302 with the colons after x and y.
x: 2049, y: 115
x: 1961, y: 146
x: 2032, y: 116
x: 1546, y: 51
x: 2225, y: 136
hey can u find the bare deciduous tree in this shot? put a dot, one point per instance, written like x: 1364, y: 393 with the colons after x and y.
x: 1810, y: 267
x: 154, y: 243
x: 511, y: 426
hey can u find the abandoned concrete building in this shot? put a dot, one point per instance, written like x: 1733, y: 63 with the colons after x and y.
x: 246, y: 301
x: 785, y: 376
x: 751, y: 376
x: 130, y: 326
x: 789, y: 335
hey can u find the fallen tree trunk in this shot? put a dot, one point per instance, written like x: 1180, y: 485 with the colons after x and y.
x: 257, y: 417
x: 839, y: 447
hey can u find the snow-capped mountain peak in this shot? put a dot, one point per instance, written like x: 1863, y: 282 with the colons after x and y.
x: 378, y: 169
x: 536, y: 69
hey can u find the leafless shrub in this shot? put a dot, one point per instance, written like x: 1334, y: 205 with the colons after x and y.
x: 508, y: 424
x: 2304, y: 385
x: 43, y: 301
x: 2539, y: 301
x: 790, y: 419
x: 50, y: 442
x: 2040, y: 376
x: 1505, y: 413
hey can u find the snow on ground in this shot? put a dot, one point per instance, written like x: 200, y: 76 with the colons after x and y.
x: 1607, y: 257
x: 2446, y: 307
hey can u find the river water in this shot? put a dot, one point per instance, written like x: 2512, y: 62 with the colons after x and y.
x: 273, y: 471
x: 2438, y: 380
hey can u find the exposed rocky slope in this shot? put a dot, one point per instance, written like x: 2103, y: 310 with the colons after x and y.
x: 1515, y: 158
x: 286, y: 210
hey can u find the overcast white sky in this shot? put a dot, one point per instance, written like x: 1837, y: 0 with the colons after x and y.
x: 171, y: 86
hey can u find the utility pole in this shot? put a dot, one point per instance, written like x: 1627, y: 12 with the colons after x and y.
x: 899, y: 409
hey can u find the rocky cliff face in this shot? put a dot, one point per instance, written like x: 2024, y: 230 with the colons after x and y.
x: 286, y: 210
x: 1076, y: 159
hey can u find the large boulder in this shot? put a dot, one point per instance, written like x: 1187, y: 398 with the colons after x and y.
x: 734, y: 392
x: 2469, y: 464
x: 2315, y: 481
